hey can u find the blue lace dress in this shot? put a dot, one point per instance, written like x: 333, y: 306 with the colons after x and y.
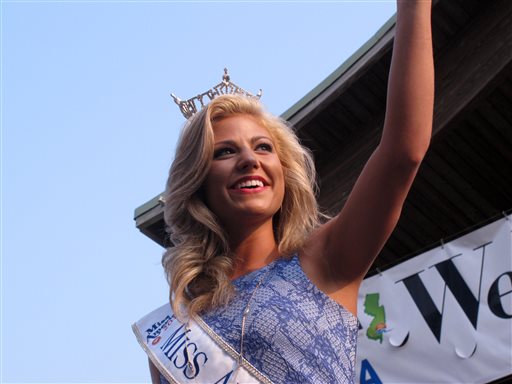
x: 294, y: 332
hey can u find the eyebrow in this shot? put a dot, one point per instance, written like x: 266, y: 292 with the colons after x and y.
x: 253, y: 140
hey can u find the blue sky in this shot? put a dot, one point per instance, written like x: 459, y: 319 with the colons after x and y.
x: 88, y: 132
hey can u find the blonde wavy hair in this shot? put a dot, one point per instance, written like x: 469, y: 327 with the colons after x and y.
x: 199, y: 264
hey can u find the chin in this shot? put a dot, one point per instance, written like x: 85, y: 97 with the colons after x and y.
x: 260, y: 213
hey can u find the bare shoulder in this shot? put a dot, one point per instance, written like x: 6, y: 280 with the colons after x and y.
x: 323, y: 274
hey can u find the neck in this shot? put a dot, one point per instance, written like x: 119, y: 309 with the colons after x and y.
x: 253, y: 248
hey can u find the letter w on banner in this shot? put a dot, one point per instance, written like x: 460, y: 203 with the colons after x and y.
x: 444, y: 316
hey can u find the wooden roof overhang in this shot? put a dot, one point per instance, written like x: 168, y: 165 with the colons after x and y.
x: 465, y: 179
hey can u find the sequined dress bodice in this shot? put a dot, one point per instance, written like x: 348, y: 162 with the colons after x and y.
x: 294, y: 332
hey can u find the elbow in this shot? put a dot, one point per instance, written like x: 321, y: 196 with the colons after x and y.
x: 410, y: 162
x: 414, y: 158
x: 405, y: 167
x: 406, y: 158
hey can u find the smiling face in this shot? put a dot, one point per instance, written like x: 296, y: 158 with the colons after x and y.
x: 245, y: 183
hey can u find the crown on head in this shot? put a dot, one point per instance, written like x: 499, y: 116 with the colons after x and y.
x: 189, y: 107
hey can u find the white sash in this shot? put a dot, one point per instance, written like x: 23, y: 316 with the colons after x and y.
x: 164, y: 338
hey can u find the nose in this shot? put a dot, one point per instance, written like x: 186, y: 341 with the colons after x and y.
x: 247, y: 160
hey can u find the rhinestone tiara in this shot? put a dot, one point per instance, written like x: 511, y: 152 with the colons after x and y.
x: 189, y: 107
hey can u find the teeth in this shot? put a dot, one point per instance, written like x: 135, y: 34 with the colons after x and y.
x: 249, y: 184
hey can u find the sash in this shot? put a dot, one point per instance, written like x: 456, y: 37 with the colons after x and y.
x: 206, y: 359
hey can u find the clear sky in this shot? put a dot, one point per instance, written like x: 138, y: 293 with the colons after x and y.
x: 88, y: 132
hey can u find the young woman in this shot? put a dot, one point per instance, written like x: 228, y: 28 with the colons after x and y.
x: 252, y: 267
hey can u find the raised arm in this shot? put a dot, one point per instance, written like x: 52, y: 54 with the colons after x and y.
x: 340, y: 253
x: 410, y: 100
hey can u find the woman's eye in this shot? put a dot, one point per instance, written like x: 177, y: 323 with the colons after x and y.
x: 265, y: 147
x: 222, y: 152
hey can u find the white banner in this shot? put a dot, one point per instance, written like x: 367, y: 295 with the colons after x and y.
x: 191, y: 353
x: 444, y: 316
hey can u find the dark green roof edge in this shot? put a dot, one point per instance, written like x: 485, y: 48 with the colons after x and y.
x: 149, y: 205
x: 311, y: 95
x: 308, y: 97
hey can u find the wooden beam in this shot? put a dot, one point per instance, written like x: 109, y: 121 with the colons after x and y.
x: 477, y: 57
x: 467, y: 70
x: 363, y: 61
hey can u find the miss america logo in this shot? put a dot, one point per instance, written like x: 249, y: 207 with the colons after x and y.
x: 157, y: 328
